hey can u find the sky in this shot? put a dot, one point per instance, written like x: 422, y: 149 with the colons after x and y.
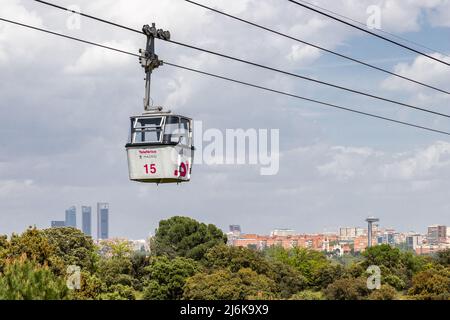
x: 65, y: 108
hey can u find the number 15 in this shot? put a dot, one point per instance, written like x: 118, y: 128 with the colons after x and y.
x: 150, y: 169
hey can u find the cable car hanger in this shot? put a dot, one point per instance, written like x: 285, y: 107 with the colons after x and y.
x: 160, y: 147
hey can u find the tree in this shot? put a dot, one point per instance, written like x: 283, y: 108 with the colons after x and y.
x: 431, y: 284
x: 225, y: 285
x: 119, y: 292
x: 91, y: 287
x: 443, y: 258
x: 116, y: 248
x: 287, y: 278
x: 24, y: 279
x: 382, y: 255
x: 168, y: 277
x: 185, y: 237
x: 347, y: 289
x: 308, y: 295
x: 139, y: 261
x: 313, y: 265
x: 397, y: 267
x: 386, y: 292
x: 114, y: 271
x: 236, y: 258
x: 73, y: 247
x: 36, y: 246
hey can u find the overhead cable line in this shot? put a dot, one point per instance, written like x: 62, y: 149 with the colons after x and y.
x: 317, y: 46
x: 378, y: 29
x: 69, y: 37
x: 369, y: 32
x: 307, y: 99
x: 238, y: 81
x: 406, y: 105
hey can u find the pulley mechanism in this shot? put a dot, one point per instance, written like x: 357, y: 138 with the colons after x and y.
x: 149, y: 60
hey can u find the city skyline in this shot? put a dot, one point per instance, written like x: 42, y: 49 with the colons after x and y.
x: 334, y: 166
x: 422, y: 229
x: 86, y: 220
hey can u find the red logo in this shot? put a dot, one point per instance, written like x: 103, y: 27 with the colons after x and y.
x: 147, y: 151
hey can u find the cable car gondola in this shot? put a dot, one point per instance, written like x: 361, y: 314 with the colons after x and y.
x: 160, y: 147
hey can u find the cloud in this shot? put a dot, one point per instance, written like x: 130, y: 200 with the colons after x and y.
x: 427, y: 163
x: 95, y: 60
x: 304, y: 54
x: 422, y: 69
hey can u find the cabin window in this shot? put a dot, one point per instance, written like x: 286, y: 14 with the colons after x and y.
x: 146, y: 130
x: 171, y: 130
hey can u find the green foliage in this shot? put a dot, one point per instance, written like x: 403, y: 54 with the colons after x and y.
x: 116, y: 248
x: 73, y: 247
x: 394, y: 281
x: 24, y: 279
x: 287, y: 278
x: 34, y: 244
x: 226, y: 285
x: 312, y: 265
x: 347, y: 289
x: 119, y: 292
x: 115, y: 270
x: 139, y: 262
x: 386, y: 292
x: 190, y: 260
x: 443, y: 258
x: 236, y: 258
x: 431, y: 284
x: 397, y: 267
x: 168, y: 277
x: 382, y: 255
x: 91, y: 287
x: 308, y: 295
x: 185, y: 237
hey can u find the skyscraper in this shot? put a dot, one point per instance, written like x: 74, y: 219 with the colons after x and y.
x: 71, y: 217
x: 102, y: 220
x: 86, y: 220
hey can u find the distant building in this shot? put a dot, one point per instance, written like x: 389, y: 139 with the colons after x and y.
x: 235, y: 228
x: 387, y: 237
x: 437, y: 234
x: 414, y: 241
x: 102, y: 220
x: 58, y: 224
x: 86, y: 220
x: 348, y: 233
x: 282, y: 233
x: 139, y: 245
x: 71, y: 217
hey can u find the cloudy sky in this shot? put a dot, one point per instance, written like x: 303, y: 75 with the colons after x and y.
x: 65, y: 107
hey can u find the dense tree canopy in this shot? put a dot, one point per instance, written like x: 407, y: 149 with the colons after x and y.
x: 167, y: 277
x: 190, y: 260
x: 288, y: 279
x: 431, y: 284
x: 72, y: 246
x: 223, y: 284
x: 23, y: 279
x: 185, y: 237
